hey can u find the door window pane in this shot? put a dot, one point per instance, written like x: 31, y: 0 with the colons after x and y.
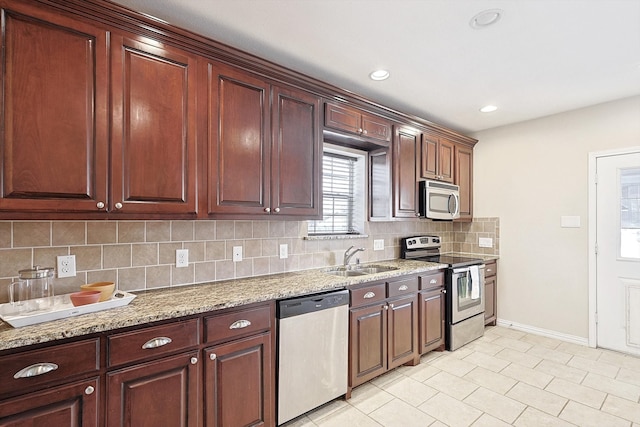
x: 630, y: 213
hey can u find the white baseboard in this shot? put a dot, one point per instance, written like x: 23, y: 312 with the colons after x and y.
x: 544, y: 332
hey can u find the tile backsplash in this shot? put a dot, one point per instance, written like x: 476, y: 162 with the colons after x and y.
x: 141, y: 254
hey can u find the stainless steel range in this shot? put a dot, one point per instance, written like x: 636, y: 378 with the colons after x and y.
x: 464, y: 286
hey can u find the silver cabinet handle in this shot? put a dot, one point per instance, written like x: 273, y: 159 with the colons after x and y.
x: 417, y: 213
x: 35, y: 370
x: 239, y: 324
x: 118, y: 205
x: 276, y: 210
x: 156, y: 342
x: 100, y: 205
x: 369, y: 295
x: 89, y: 390
x: 364, y: 131
x: 386, y: 307
x: 433, y: 281
x: 403, y: 288
x: 392, y: 306
x: 444, y: 291
x: 213, y: 356
x: 488, y: 270
x: 267, y: 210
x: 194, y: 360
x: 360, y: 130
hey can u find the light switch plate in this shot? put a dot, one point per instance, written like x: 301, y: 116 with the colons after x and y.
x: 237, y: 253
x: 378, y: 245
x: 67, y: 266
x: 570, y: 221
x: 485, y: 242
x: 284, y: 251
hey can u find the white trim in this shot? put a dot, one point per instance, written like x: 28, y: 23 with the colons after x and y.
x: 593, y: 307
x: 543, y: 332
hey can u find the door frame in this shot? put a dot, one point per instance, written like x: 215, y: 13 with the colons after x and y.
x: 593, y: 158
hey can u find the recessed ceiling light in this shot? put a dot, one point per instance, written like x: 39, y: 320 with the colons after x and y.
x: 379, y: 75
x: 486, y: 18
x: 488, y: 109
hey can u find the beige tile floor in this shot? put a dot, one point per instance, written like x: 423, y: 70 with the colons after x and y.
x: 507, y: 377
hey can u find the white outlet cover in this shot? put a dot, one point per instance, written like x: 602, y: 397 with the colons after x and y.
x: 66, y: 266
x: 237, y: 253
x: 284, y: 251
x: 378, y: 245
x: 182, y: 258
x: 485, y: 242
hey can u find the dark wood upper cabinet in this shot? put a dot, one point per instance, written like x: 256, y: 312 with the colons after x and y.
x: 464, y: 179
x: 437, y: 158
x: 406, y: 144
x: 55, y: 112
x: 264, y: 145
x: 154, y: 128
x: 352, y: 120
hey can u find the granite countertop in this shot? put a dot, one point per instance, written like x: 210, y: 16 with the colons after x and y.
x: 168, y: 303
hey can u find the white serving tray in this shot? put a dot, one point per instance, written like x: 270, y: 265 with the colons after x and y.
x: 62, y: 308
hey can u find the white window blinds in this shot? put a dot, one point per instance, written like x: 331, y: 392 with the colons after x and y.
x: 338, y: 178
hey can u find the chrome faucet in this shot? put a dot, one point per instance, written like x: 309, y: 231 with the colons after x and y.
x: 348, y: 254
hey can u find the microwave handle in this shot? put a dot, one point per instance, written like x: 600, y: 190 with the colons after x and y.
x: 456, y: 198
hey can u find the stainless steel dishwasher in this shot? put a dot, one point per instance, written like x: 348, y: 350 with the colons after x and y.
x: 313, y: 334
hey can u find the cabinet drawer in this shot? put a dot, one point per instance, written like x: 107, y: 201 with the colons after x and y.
x: 402, y: 287
x: 48, y: 365
x: 490, y: 269
x: 434, y: 280
x: 368, y: 295
x: 225, y: 327
x: 155, y: 341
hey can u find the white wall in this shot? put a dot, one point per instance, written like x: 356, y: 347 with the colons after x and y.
x: 529, y: 175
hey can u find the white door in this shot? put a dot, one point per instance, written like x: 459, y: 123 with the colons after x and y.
x: 618, y: 254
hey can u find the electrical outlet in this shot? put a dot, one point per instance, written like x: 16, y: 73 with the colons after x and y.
x: 67, y: 266
x: 378, y: 245
x: 485, y: 242
x: 237, y: 253
x: 182, y: 257
x: 284, y: 251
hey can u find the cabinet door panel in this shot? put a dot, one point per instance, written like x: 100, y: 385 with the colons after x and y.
x: 154, y: 116
x: 403, y: 331
x: 375, y: 127
x: 54, y: 88
x: 380, y: 185
x: 72, y: 405
x: 445, y: 160
x: 158, y: 393
x: 490, y: 300
x: 405, y: 153
x: 296, y: 154
x: 368, y: 347
x: 464, y: 179
x: 429, y: 164
x: 239, y: 147
x: 238, y: 383
x: 342, y: 118
x: 432, y: 320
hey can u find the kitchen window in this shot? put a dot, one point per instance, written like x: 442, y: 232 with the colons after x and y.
x: 343, y: 195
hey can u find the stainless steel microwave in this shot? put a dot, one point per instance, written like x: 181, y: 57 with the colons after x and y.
x: 439, y: 200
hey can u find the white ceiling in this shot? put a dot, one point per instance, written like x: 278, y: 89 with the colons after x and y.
x: 543, y: 57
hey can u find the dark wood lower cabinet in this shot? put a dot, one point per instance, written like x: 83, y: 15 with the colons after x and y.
x: 238, y: 387
x: 69, y: 405
x: 368, y: 343
x: 490, y: 293
x: 432, y: 320
x: 162, y: 392
x: 403, y: 330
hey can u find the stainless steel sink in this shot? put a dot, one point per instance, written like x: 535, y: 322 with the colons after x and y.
x: 358, y: 270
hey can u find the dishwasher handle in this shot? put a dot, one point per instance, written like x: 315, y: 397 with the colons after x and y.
x: 311, y: 303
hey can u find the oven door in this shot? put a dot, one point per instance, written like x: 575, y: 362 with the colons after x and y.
x: 467, y: 292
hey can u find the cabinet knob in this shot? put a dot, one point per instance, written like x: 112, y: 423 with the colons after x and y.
x: 194, y: 360
x: 417, y: 214
x: 100, y: 205
x: 369, y: 295
x: 444, y: 291
x: 386, y: 307
x: 488, y: 270
x: 403, y: 288
x: 118, y: 205
x: 433, y: 281
x: 276, y: 210
x: 360, y: 130
x: 391, y: 305
x: 364, y: 131
x: 267, y: 210
x: 89, y: 390
x: 213, y: 356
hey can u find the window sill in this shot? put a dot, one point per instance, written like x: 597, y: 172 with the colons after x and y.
x: 336, y: 237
